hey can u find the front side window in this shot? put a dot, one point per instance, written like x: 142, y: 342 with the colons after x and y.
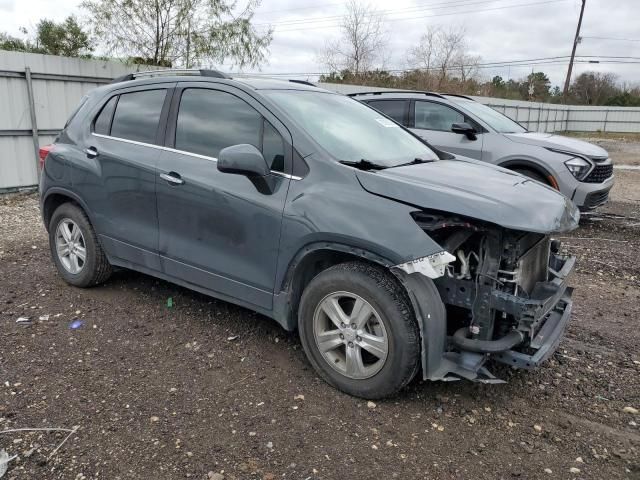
x: 350, y: 130
x: 273, y: 147
x: 396, y: 109
x: 496, y: 120
x: 137, y: 115
x: 210, y: 120
x: 435, y: 116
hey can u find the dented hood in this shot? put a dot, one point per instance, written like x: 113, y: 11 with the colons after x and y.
x: 476, y: 190
x: 557, y: 142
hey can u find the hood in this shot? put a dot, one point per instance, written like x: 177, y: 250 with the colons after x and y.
x: 548, y: 140
x: 476, y: 190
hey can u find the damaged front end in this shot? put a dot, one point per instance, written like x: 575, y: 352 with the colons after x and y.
x: 505, y: 297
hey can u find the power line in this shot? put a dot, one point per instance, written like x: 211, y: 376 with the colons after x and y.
x: 405, y: 10
x: 463, y: 12
x: 615, y: 39
x: 546, y: 61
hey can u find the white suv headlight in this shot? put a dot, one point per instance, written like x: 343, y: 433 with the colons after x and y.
x: 579, y: 167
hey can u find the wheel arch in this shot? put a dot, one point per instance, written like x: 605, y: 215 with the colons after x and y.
x: 533, y: 166
x: 308, y: 262
x: 55, y: 197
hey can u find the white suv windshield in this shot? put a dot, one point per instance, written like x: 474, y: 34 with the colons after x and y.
x: 496, y: 120
x: 349, y: 130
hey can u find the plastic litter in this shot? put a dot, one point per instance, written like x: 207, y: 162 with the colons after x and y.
x: 170, y: 302
x: 4, y: 462
x: 76, y: 323
x: 23, y: 321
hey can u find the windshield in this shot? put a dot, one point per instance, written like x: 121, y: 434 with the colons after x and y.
x: 349, y: 130
x: 496, y: 120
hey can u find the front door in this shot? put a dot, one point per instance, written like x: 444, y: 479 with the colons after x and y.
x: 432, y: 121
x: 220, y: 231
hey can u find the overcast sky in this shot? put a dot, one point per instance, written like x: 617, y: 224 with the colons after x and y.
x: 498, y: 30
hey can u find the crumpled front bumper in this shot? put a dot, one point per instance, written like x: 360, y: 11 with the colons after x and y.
x: 543, y: 318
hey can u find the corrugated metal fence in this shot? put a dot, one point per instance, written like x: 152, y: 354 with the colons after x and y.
x: 39, y: 92
x: 37, y: 95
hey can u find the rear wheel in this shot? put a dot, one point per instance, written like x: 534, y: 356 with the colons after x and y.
x: 359, y: 331
x: 75, y: 248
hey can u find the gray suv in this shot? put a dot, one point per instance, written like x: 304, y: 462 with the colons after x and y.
x: 311, y: 208
x: 462, y: 126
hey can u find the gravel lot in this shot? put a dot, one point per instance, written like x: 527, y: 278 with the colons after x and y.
x: 207, y: 388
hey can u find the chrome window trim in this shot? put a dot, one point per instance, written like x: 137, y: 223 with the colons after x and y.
x: 183, y: 152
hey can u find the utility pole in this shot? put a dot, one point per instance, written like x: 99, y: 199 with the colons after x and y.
x: 576, y: 40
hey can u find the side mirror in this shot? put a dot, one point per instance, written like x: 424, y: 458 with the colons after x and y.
x: 464, y: 129
x: 243, y: 159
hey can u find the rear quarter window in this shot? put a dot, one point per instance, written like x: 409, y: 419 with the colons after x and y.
x: 102, y: 122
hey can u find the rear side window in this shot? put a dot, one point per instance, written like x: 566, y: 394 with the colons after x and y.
x: 102, y: 124
x: 137, y: 115
x: 435, y: 116
x: 396, y: 109
x: 210, y: 120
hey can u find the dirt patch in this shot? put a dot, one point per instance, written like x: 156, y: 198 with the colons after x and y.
x: 205, y: 386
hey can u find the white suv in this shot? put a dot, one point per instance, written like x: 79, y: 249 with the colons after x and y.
x: 460, y: 125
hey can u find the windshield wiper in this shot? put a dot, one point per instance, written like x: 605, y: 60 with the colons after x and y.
x: 363, y: 164
x: 415, y: 161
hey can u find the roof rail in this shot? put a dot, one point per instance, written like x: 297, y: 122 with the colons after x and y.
x: 380, y: 92
x: 458, y: 95
x: 171, y: 72
x: 303, y: 82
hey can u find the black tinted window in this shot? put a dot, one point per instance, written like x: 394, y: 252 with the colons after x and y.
x: 435, y: 116
x: 396, y: 109
x: 273, y: 147
x: 137, y: 115
x: 209, y: 121
x: 103, y: 120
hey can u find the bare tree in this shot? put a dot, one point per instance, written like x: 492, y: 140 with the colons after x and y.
x: 423, y: 55
x: 443, y: 53
x: 179, y: 32
x: 362, y: 41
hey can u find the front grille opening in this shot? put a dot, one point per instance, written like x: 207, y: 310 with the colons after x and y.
x: 599, y: 173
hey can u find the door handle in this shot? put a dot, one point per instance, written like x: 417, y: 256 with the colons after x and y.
x: 172, y: 177
x: 92, y: 152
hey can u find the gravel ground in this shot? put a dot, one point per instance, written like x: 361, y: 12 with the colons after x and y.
x: 207, y: 388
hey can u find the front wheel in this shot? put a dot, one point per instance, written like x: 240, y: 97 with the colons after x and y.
x: 359, y: 331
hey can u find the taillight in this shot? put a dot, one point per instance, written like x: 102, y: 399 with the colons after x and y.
x: 43, y: 152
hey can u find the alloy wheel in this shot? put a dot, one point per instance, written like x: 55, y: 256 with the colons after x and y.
x: 350, y: 335
x: 70, y: 246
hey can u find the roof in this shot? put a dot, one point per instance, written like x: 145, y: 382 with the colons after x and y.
x: 256, y: 83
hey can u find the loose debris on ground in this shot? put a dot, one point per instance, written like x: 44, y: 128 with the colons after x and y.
x: 207, y: 390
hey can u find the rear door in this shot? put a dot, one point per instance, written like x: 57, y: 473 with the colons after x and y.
x: 432, y: 121
x: 221, y: 231
x: 118, y: 181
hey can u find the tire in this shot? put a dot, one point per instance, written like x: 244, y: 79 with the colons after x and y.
x: 392, y: 317
x: 87, y: 272
x: 532, y: 174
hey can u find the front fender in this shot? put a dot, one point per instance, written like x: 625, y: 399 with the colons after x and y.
x: 333, y: 213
